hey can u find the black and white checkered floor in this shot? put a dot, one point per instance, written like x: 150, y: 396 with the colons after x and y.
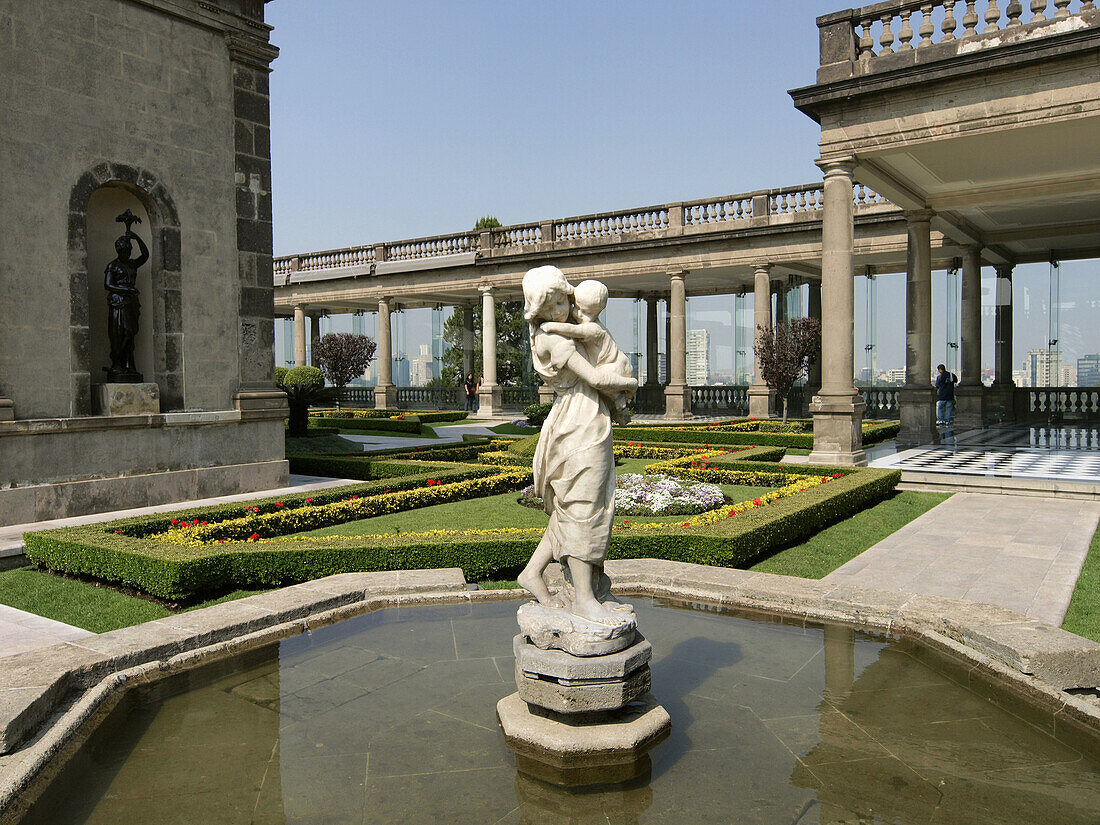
x: 1066, y: 453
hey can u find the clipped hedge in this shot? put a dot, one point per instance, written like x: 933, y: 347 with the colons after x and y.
x: 176, y: 572
x: 425, y: 416
x: 409, y: 424
x: 873, y: 433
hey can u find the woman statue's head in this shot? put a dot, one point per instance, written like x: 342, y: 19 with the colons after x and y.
x: 546, y: 295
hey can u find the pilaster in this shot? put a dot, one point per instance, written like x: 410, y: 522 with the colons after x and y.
x: 917, y: 399
x: 490, y: 398
x: 677, y: 393
x: 762, y: 401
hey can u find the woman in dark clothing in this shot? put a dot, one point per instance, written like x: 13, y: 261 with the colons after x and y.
x: 472, y: 385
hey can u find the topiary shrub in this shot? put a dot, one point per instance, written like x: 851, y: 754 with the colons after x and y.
x: 525, y: 447
x: 303, y: 385
x: 536, y: 413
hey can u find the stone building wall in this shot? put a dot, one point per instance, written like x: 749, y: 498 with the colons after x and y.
x: 94, y: 84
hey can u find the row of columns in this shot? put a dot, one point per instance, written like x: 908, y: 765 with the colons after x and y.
x: 300, y: 315
x: 974, y: 404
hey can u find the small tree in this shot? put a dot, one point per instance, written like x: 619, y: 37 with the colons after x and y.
x: 343, y: 356
x: 303, y: 386
x: 784, y: 354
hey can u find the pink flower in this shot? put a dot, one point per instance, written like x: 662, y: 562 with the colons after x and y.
x: 119, y: 532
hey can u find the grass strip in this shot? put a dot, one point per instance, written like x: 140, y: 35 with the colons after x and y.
x: 1083, y: 616
x: 843, y: 541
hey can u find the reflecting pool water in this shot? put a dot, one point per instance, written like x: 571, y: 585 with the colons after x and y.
x: 390, y: 718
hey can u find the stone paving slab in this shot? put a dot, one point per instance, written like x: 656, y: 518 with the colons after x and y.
x: 21, y: 631
x: 1023, y: 553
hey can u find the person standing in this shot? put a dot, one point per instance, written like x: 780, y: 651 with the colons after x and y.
x: 472, y: 385
x: 945, y: 395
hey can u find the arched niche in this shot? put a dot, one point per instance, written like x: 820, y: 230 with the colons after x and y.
x: 104, y: 206
x: 99, y: 196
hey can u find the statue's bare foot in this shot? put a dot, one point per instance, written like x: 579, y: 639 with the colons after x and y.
x: 534, y: 584
x: 594, y: 611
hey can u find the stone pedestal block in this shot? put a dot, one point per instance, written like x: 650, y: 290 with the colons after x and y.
x: 838, y: 430
x: 761, y: 402
x: 546, y: 395
x: 998, y: 408
x: 970, y: 407
x: 128, y: 399
x: 490, y: 403
x: 7, y: 410
x: 568, y: 669
x: 583, y: 696
x: 547, y: 738
x: 918, y: 417
x: 677, y: 402
x: 385, y: 397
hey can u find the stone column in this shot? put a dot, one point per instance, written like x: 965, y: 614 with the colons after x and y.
x: 299, y: 336
x: 677, y: 393
x: 998, y: 407
x: 969, y: 393
x: 813, y: 373
x: 917, y: 398
x: 490, y: 396
x: 838, y: 408
x: 385, y: 393
x: 761, y: 396
x: 652, y: 371
x: 314, y: 337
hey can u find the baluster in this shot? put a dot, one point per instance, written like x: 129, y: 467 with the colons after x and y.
x: 970, y: 20
x: 1038, y: 7
x: 866, y: 41
x: 926, y: 28
x: 1014, y: 9
x: 949, y: 23
x: 1062, y: 10
x: 905, y: 34
x: 992, y: 15
x: 887, y: 36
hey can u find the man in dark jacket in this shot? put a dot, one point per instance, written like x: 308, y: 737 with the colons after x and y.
x: 945, y: 392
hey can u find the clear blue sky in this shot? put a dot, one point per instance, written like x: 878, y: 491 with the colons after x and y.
x: 401, y: 119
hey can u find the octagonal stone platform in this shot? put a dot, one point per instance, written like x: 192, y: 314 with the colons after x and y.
x: 552, y: 740
x: 586, y: 697
x: 574, y: 670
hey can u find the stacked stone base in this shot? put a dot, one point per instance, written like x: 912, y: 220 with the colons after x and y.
x: 581, y: 720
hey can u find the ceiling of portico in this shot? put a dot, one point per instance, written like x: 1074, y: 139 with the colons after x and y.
x: 1032, y: 191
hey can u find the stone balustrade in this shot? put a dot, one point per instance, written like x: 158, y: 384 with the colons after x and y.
x: 667, y: 220
x: 1035, y: 404
x: 863, y: 36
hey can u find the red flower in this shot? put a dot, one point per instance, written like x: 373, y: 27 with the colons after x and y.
x: 824, y: 478
x: 205, y: 522
x: 309, y: 501
x: 837, y: 475
x: 685, y: 524
x: 175, y: 521
x: 119, y: 532
x: 278, y: 504
x: 757, y: 502
x: 254, y: 536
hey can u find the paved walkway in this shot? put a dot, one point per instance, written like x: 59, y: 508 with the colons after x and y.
x: 21, y: 631
x: 1020, y: 552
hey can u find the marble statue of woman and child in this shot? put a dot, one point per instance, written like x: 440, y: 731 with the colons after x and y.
x: 574, y: 467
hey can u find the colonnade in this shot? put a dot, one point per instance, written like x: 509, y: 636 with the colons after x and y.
x: 676, y: 391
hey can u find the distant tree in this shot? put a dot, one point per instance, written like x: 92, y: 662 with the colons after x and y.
x: 513, y: 345
x: 303, y: 386
x: 783, y: 354
x: 343, y: 356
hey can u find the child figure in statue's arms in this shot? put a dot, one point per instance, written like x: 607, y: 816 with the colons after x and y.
x: 589, y: 300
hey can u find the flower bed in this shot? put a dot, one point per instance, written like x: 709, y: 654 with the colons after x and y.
x: 652, y: 495
x: 256, y: 543
x: 745, y: 432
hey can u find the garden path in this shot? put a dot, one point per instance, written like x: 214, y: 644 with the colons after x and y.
x: 1020, y: 552
x: 21, y: 631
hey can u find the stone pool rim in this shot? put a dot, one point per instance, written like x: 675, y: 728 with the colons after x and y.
x: 51, y: 698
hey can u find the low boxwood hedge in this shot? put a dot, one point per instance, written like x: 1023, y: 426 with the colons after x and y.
x: 686, y: 434
x: 122, y: 552
x: 408, y: 424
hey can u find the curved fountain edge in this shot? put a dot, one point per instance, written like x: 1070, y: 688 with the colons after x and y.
x: 49, y: 698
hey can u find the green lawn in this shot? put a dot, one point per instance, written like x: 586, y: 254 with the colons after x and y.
x: 512, y: 429
x: 322, y: 441
x: 1083, y: 616
x: 845, y: 540
x: 425, y: 432
x: 84, y: 604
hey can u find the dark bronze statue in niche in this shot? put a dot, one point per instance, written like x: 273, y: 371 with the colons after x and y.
x: 124, y: 308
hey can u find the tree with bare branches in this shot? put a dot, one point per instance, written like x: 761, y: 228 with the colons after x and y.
x: 783, y: 354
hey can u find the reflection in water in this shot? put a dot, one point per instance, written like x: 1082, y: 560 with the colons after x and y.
x: 391, y: 718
